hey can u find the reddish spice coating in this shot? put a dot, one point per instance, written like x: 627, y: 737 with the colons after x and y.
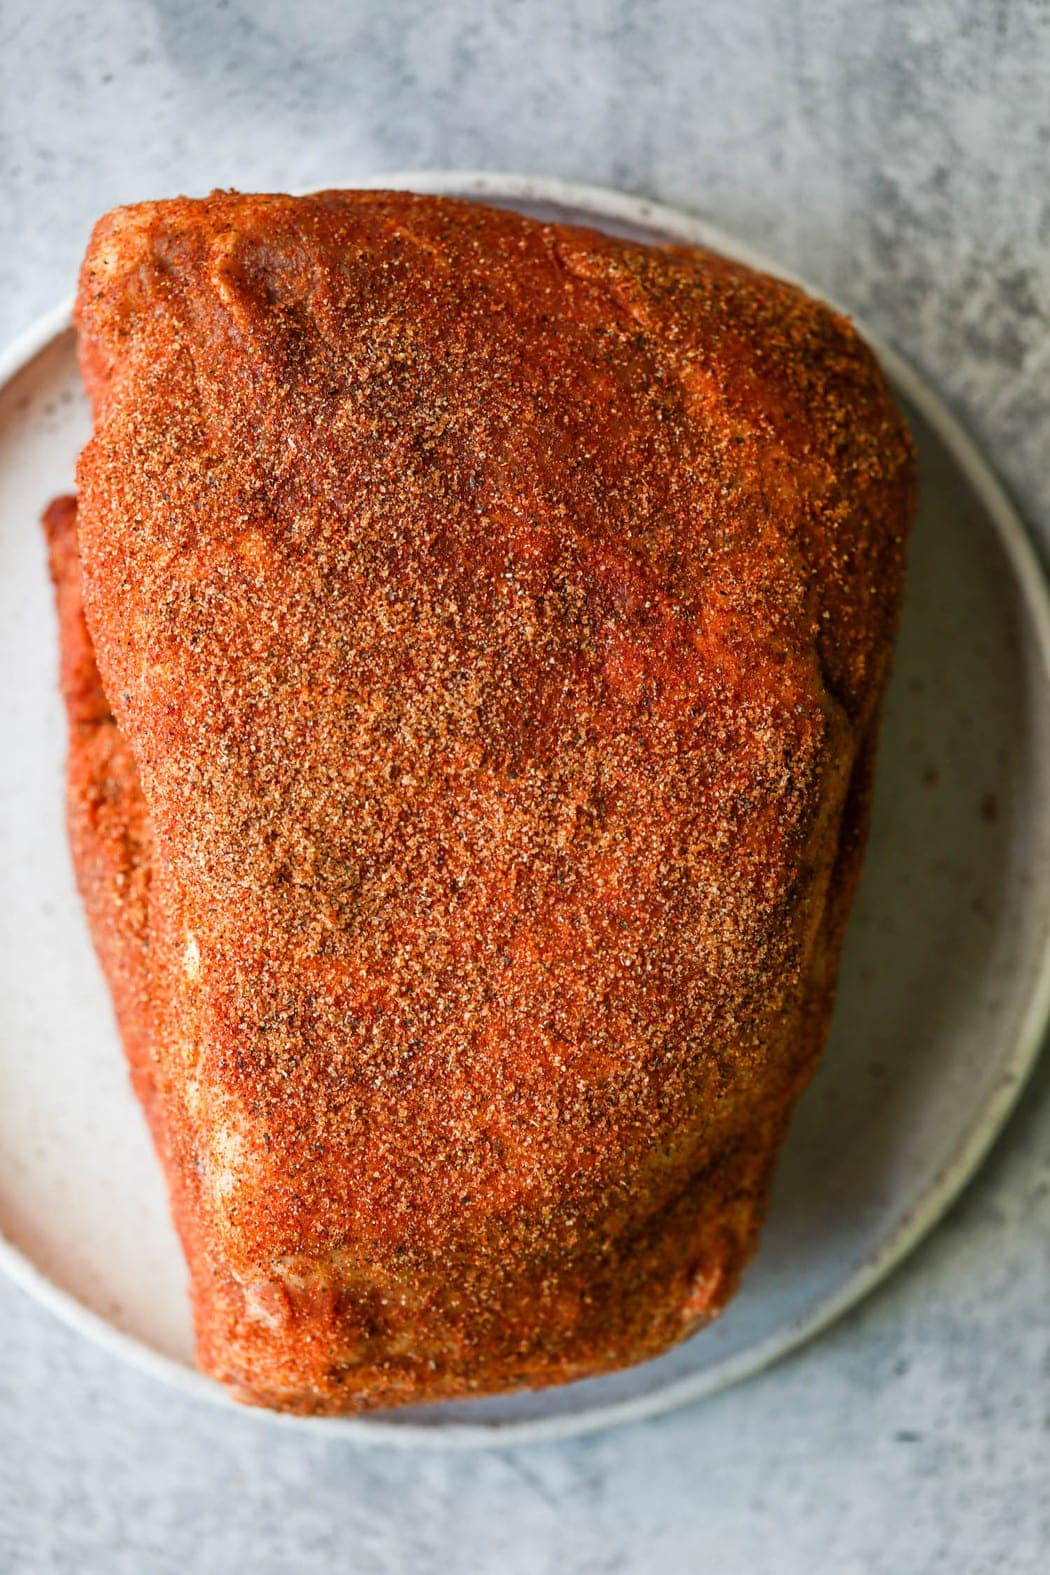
x: 492, y: 619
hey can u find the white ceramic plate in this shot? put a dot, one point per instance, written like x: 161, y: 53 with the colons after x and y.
x: 944, y: 989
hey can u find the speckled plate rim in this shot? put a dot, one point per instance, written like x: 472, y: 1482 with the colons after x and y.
x: 603, y: 205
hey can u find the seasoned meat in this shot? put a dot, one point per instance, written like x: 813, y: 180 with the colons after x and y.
x: 491, y: 620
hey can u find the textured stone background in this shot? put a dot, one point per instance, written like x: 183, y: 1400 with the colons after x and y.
x: 896, y: 153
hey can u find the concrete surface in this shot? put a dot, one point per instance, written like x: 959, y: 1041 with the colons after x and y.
x: 897, y: 154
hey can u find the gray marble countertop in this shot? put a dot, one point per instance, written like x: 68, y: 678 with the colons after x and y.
x: 895, y: 154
